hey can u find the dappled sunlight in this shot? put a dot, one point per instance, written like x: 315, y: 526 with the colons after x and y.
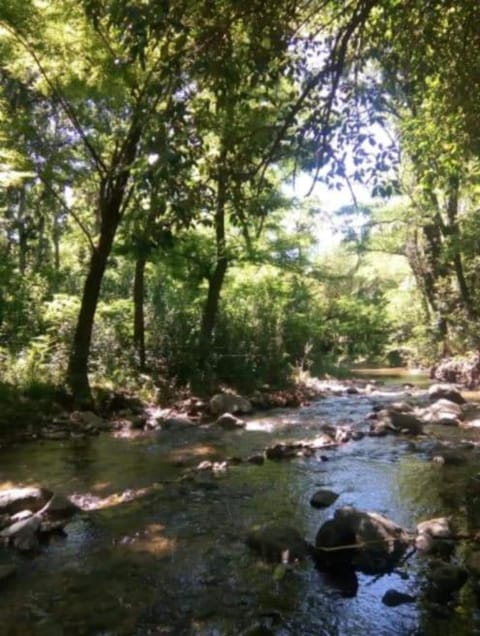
x: 89, y: 501
x: 150, y: 540
x: 193, y: 452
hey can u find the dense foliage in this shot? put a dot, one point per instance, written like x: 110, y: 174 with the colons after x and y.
x: 146, y: 234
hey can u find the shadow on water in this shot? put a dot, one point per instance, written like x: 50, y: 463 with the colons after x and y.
x: 165, y: 556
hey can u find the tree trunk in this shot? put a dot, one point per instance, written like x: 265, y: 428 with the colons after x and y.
x: 22, y: 233
x: 453, y: 232
x: 139, y: 314
x: 77, y: 374
x: 111, y: 203
x: 216, y: 278
x: 210, y: 310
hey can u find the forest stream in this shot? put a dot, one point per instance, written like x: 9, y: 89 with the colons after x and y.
x: 154, y: 554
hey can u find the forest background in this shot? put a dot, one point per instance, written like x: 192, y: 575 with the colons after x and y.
x: 149, y: 234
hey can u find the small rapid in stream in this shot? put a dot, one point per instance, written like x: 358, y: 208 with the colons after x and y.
x: 167, y: 556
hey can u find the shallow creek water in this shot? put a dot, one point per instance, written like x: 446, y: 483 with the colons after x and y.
x: 169, y: 558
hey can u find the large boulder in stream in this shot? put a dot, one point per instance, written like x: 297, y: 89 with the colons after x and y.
x: 365, y: 541
x: 443, y: 412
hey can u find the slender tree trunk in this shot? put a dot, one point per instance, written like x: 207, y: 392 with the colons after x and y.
x: 139, y: 314
x: 216, y: 278
x: 56, y: 245
x: 22, y: 233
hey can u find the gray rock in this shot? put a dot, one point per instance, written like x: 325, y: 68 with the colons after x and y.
x: 439, y: 527
x: 229, y: 422
x: 23, y: 534
x: 433, y: 535
x: 393, y: 598
x: 323, y: 498
x: 20, y: 516
x: 368, y: 541
x: 277, y: 543
x: 443, y: 412
x: 401, y: 407
x: 17, y: 499
x: 229, y: 403
x: 447, y: 392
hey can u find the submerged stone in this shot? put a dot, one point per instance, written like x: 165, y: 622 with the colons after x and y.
x: 278, y: 543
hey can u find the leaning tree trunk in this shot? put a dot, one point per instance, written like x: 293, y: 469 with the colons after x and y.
x: 112, y: 200
x: 77, y: 374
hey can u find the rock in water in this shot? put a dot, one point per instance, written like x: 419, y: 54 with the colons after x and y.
x: 431, y: 534
x: 229, y: 422
x: 23, y: 534
x: 16, y: 499
x: 443, y: 412
x: 278, y: 543
x: 393, y: 598
x: 367, y: 541
x: 447, y: 392
x: 323, y: 498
